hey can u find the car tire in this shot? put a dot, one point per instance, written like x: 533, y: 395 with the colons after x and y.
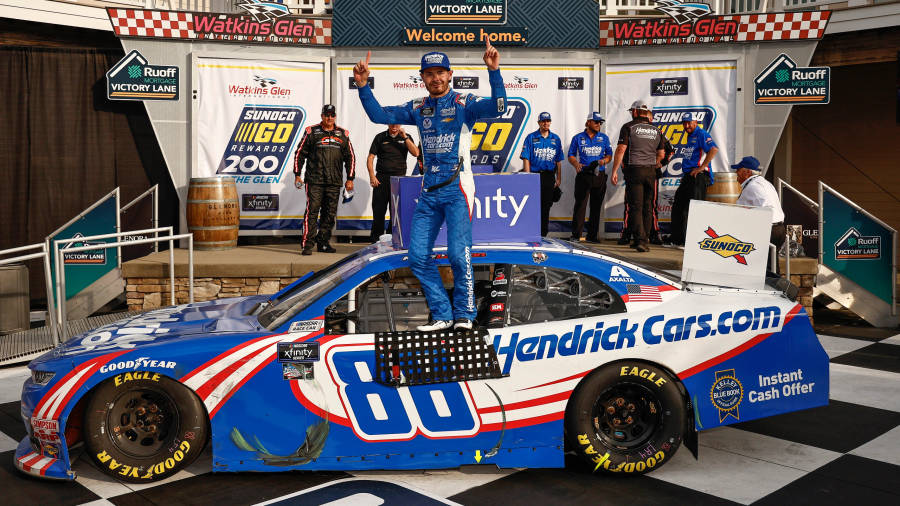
x: 627, y: 417
x: 142, y: 427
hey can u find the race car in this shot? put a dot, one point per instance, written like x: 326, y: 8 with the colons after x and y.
x: 574, y: 350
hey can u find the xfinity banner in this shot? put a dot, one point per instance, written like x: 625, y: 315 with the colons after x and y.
x: 706, y: 89
x: 251, y: 116
x: 507, y: 208
x: 563, y: 91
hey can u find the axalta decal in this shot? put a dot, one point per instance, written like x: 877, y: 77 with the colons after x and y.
x: 261, y: 144
x: 494, y: 139
x: 726, y: 246
x: 654, y: 330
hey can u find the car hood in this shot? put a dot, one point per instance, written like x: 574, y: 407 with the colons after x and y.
x: 218, y: 316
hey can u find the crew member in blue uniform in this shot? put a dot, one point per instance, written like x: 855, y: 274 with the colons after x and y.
x: 445, y: 119
x: 696, y: 174
x: 542, y: 153
x: 589, y: 153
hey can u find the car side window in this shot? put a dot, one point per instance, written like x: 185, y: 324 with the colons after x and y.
x: 539, y: 294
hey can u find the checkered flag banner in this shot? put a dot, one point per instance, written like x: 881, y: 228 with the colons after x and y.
x: 682, y: 13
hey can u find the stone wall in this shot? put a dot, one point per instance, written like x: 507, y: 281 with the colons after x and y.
x: 152, y: 293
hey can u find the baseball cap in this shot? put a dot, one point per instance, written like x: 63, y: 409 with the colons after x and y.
x: 639, y: 105
x: 747, y: 162
x: 434, y: 59
x: 688, y: 116
x: 544, y: 116
x: 328, y: 109
x: 595, y: 116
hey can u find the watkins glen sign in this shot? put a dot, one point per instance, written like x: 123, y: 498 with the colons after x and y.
x: 693, y: 23
x: 258, y: 23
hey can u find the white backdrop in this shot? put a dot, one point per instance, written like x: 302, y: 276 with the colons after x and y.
x: 251, y: 117
x: 711, y: 91
x: 530, y: 90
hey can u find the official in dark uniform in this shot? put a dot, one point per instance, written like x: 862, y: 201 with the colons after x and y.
x: 391, y: 148
x: 542, y: 153
x: 696, y: 175
x: 655, y: 236
x: 641, y: 148
x: 324, y: 149
x: 589, y: 153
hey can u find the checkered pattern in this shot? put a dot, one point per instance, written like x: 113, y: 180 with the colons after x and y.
x: 751, y: 28
x: 147, y: 23
x: 180, y: 25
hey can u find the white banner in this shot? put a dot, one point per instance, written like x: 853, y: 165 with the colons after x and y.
x: 563, y: 91
x: 707, y: 89
x: 250, y: 119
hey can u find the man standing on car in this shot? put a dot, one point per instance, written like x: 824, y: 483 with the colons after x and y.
x: 589, y: 153
x: 542, y: 152
x: 641, y: 148
x: 445, y: 119
x: 696, y: 155
x: 325, y: 148
x: 391, y: 148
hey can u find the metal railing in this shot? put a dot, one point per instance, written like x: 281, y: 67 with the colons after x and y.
x: 60, y: 270
x: 48, y: 277
x: 154, y: 213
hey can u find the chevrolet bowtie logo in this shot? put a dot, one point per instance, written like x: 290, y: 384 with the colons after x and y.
x: 726, y: 246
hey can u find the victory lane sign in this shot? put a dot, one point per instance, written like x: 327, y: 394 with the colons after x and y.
x: 133, y: 78
x: 783, y: 82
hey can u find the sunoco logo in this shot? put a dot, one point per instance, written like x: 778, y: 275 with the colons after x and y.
x: 261, y: 143
x: 726, y: 246
x: 494, y: 139
x: 855, y: 246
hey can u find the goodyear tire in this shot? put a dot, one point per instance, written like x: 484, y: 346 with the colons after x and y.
x: 142, y: 426
x: 627, y: 417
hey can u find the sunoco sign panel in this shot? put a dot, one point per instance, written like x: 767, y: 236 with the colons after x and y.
x: 783, y: 82
x: 133, y: 78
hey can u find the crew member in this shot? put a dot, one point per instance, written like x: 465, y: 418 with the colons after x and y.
x: 445, y: 119
x: 324, y: 148
x: 642, y: 148
x: 542, y: 152
x: 757, y: 192
x: 655, y: 237
x: 391, y: 148
x: 589, y: 153
x: 696, y: 155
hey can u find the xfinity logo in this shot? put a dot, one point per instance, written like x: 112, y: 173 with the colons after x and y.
x: 669, y: 86
x: 502, y: 206
x: 465, y: 83
x: 570, y: 83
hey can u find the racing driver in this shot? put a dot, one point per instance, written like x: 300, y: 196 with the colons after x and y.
x: 445, y: 119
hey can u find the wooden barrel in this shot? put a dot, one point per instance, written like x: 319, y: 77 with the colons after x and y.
x: 213, y: 212
x: 725, y: 189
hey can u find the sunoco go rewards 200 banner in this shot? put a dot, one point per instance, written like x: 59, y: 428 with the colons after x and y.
x: 250, y: 119
x: 565, y: 91
x: 707, y: 89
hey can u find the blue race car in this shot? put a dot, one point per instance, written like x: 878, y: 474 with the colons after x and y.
x: 574, y: 349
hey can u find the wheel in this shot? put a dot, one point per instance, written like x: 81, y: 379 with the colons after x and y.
x: 626, y: 417
x: 141, y: 427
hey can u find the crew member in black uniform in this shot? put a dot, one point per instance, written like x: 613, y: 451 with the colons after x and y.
x: 641, y: 147
x: 391, y: 148
x: 655, y: 236
x: 325, y: 148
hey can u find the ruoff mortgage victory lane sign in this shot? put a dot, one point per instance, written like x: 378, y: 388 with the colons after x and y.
x: 783, y: 82
x: 133, y: 78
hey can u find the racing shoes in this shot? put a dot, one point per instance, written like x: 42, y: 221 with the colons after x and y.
x: 435, y: 325
x: 462, y: 324
x: 326, y: 248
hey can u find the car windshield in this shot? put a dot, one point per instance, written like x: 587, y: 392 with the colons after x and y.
x: 288, y: 304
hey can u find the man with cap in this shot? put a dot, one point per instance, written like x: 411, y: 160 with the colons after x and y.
x: 445, y: 119
x: 696, y: 174
x: 391, y: 148
x: 589, y: 152
x: 542, y: 152
x: 757, y: 192
x: 325, y: 147
x: 641, y: 147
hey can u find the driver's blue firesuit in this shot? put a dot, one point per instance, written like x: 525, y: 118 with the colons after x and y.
x: 445, y: 126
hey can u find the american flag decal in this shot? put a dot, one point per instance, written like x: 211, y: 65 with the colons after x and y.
x: 643, y: 293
